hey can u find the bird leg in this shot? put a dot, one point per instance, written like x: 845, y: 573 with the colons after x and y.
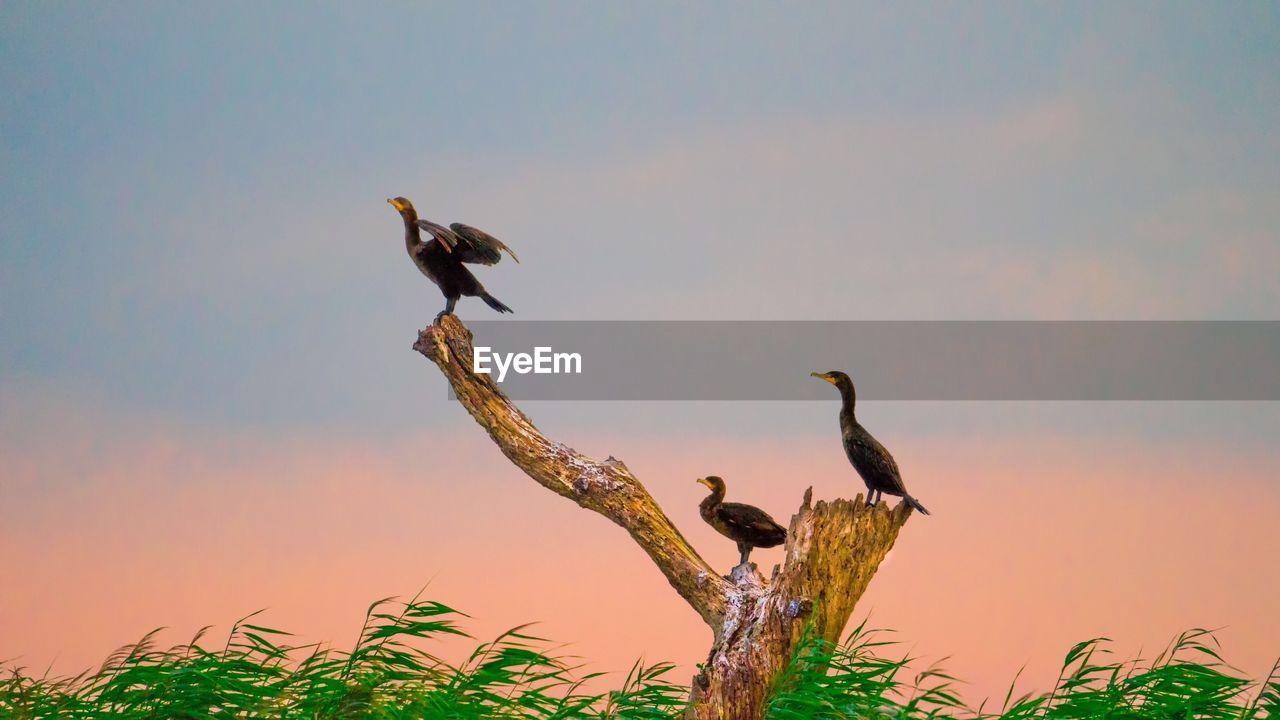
x: 745, y: 550
x: 448, y: 308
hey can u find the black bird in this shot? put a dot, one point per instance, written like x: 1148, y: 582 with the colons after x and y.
x: 441, y: 258
x: 746, y: 525
x: 872, y: 461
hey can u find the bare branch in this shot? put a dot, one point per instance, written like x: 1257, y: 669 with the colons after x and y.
x: 833, y: 548
x: 606, y: 487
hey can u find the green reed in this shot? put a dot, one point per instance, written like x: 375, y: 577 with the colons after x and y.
x: 257, y: 673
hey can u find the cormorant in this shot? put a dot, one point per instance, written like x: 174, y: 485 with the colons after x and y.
x: 441, y: 258
x: 746, y: 525
x: 872, y: 461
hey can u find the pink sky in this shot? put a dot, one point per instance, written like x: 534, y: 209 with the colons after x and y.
x: 1036, y: 542
x: 231, y: 297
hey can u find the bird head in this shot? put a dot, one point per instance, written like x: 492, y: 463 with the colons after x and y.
x: 835, y: 377
x: 842, y: 383
x: 712, y: 483
x: 402, y: 205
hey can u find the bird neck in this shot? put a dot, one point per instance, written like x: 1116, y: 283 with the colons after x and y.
x: 709, y: 503
x: 412, y: 233
x: 848, y: 398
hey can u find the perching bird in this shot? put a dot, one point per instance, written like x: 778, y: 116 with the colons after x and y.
x: 441, y: 258
x: 872, y: 461
x: 746, y: 525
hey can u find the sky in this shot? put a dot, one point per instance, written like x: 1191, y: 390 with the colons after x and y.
x: 206, y: 312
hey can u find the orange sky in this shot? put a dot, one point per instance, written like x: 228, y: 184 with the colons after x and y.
x: 208, y: 404
x: 1035, y: 543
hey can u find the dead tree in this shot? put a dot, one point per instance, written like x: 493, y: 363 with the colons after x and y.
x: 832, y: 550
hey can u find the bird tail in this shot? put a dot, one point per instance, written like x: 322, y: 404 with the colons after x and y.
x: 914, y: 503
x: 495, y: 303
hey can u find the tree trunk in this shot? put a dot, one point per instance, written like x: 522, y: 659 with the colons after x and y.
x: 832, y: 549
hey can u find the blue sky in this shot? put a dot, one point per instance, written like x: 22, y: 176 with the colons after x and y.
x: 193, y: 195
x: 206, y: 311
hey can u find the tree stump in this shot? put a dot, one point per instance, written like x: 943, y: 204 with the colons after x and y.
x: 832, y: 549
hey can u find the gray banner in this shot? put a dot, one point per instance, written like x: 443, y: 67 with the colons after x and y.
x: 951, y: 360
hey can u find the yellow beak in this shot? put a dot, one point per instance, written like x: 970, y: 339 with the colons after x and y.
x: 704, y: 482
x: 822, y: 377
x: 395, y: 204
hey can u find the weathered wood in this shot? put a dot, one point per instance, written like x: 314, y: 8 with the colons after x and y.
x: 832, y: 550
x: 607, y: 486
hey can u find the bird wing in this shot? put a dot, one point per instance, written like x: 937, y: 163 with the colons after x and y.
x: 874, y: 463
x: 442, y: 234
x: 478, y: 246
x: 747, y: 517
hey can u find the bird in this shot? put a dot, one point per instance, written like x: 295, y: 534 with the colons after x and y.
x: 872, y: 461
x: 441, y: 258
x: 747, y: 525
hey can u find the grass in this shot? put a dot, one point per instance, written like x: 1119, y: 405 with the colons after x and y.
x: 255, y: 673
x: 1188, y: 680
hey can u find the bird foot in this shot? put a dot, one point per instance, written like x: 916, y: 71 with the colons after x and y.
x: 745, y: 574
x: 440, y: 316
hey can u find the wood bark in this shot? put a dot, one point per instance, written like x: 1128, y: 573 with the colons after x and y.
x: 832, y: 551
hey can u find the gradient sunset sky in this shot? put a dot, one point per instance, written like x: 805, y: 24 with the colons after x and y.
x: 208, y: 404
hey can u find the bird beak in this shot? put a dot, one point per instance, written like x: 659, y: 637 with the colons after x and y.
x: 820, y: 376
x: 392, y: 203
x: 703, y: 482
